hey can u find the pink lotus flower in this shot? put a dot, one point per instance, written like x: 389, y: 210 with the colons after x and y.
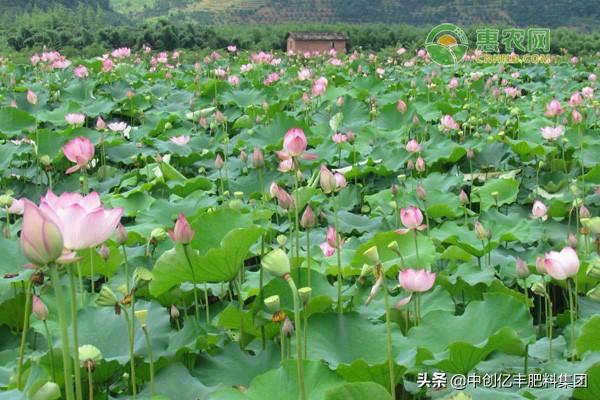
x: 318, y: 89
x: 562, y: 265
x: 412, y: 219
x: 331, y: 182
x: 553, y: 109
x: 75, y: 119
x: 180, y: 140
x: 453, y: 83
x: 122, y: 52
x: 303, y: 74
x: 107, y: 64
x: 339, y: 138
x: 233, y: 80
x: 294, y: 142
x: 183, y: 232
x: 332, y: 242
x: 576, y: 117
x: 587, y: 92
x: 117, y: 126
x: 552, y: 132
x: 416, y: 280
x: 539, y: 210
x: 511, y: 91
x: 16, y: 207
x: 448, y: 123
x: 575, y: 100
x: 286, y: 165
x: 401, y: 106
x: 32, y: 97
x: 592, y: 77
x: 401, y: 51
x: 80, y: 151
x: 232, y: 48
x: 41, y: 238
x: 81, y: 72
x: 413, y: 146
x: 82, y: 220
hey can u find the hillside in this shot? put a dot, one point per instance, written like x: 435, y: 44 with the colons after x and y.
x: 581, y: 14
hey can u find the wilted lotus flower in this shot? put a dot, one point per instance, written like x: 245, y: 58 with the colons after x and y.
x: 183, y: 232
x: 419, y: 280
x: 539, y: 210
x: 80, y: 151
x: 180, y: 140
x: 117, y: 126
x: 562, y: 265
x: 552, y: 132
x: 75, y: 119
x: 331, y: 182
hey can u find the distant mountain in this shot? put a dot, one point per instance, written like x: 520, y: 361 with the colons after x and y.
x: 581, y: 14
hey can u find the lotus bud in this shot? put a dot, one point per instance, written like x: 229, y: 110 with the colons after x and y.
x: 32, y: 97
x: 401, y: 178
x: 584, y: 212
x: 106, y: 297
x: 572, y: 240
x: 521, y: 268
x: 365, y: 209
x: 304, y: 293
x: 174, y: 311
x: 243, y: 155
x: 394, y: 189
x: 420, y: 164
x: 38, y: 308
x: 142, y: 317
x: 183, y: 232
x: 104, y: 252
x: 41, y: 239
x: 277, y: 263
x: 121, y: 235
x: 481, y: 232
x: 410, y: 165
x: 539, y: 265
x: 308, y: 219
x: 463, y: 197
x: 288, y: 327
x: 470, y: 153
x: 273, y: 303
x: 48, y: 391
x: 372, y: 255
x: 420, y: 190
x: 219, y: 162
x: 258, y: 159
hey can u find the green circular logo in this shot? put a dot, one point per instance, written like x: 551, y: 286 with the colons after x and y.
x: 447, y: 44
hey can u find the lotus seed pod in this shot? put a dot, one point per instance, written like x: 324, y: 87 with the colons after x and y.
x: 273, y: 303
x: 277, y: 263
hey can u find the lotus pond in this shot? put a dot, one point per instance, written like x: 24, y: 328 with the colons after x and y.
x: 269, y: 226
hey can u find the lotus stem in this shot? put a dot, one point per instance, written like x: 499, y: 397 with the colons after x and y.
x: 299, y: 361
x: 90, y: 384
x: 64, y: 336
x: 130, y: 334
x: 50, y: 350
x: 26, y: 315
x: 388, y: 325
x: 338, y: 251
x: 75, y: 332
x: 571, y: 315
x: 149, y: 345
x: 196, y: 303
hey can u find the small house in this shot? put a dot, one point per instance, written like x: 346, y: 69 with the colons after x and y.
x: 300, y: 42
